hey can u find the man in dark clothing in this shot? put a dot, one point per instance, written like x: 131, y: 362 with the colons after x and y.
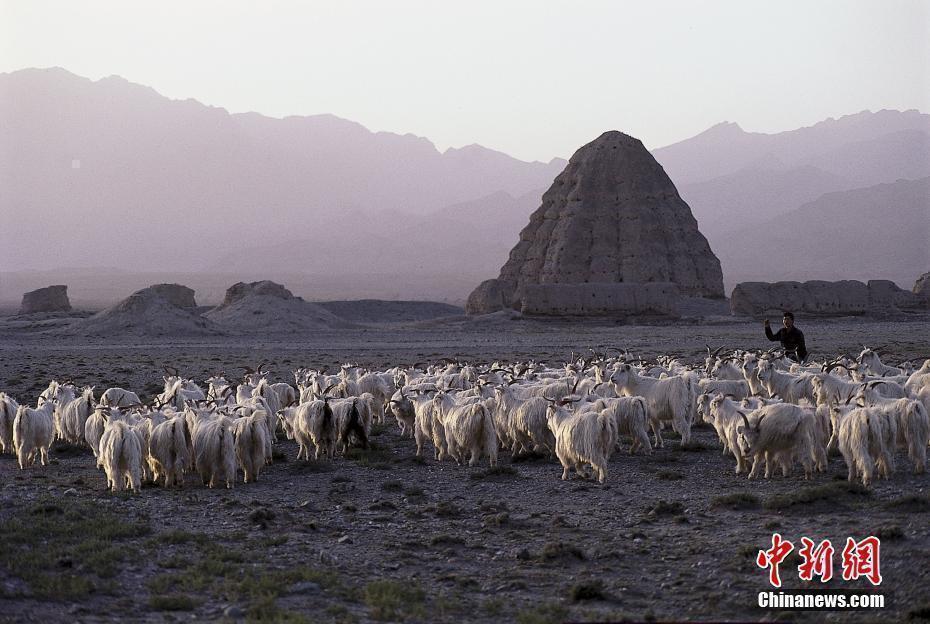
x: 790, y: 337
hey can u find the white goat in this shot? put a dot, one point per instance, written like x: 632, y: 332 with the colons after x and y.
x: 669, y: 400
x: 8, y: 408
x: 588, y: 437
x: 790, y: 388
x: 74, y: 415
x: 911, y: 423
x: 118, y: 397
x: 528, y: 427
x: 870, y: 362
x: 428, y: 426
x: 470, y: 428
x: 749, y: 367
x: 253, y: 448
x: 311, y: 422
x: 861, y: 436
x: 121, y: 456
x: 352, y: 420
x: 169, y: 450
x: 779, y: 431
x: 738, y: 389
x: 401, y: 408
x: 214, y: 448
x: 33, y: 433
x: 631, y: 416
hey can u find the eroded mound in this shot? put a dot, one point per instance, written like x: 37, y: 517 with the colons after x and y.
x: 159, y: 310
x: 269, y: 307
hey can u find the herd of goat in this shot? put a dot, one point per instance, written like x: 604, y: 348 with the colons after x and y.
x: 767, y: 411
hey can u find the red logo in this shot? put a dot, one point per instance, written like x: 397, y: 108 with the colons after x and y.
x: 817, y: 561
x: 861, y: 559
x: 772, y: 557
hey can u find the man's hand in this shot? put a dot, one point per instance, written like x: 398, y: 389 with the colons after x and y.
x: 766, y: 322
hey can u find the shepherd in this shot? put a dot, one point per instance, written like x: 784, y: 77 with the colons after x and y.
x: 790, y: 337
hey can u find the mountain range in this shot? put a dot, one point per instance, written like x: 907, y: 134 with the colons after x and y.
x: 109, y: 173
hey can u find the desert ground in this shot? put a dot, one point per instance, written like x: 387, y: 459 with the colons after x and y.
x: 381, y: 535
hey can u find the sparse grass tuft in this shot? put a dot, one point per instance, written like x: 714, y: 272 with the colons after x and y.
x: 447, y: 509
x: 586, y: 590
x: 178, y: 536
x: 669, y: 475
x: 394, y: 600
x: 737, y: 500
x: 261, y: 517
x: 444, y: 539
x: 63, y: 554
x: 313, y: 466
x: 910, y: 502
x: 665, y: 508
x: 496, y: 519
x: 392, y: 485
x: 375, y: 456
x: 835, y: 493
x: 173, y: 602
x: 275, y: 540
x: 495, y: 472
x: 493, y: 606
x: 561, y: 550
x: 551, y: 613
x: 175, y: 562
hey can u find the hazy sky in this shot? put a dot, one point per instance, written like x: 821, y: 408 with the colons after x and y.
x: 533, y: 79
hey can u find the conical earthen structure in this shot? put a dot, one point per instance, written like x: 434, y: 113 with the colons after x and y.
x: 611, y: 217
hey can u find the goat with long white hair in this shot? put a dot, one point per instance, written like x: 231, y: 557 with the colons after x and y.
x: 8, y: 408
x: 401, y: 408
x: 428, y: 426
x: 73, y: 416
x: 780, y: 432
x: 169, y: 450
x: 584, y: 438
x: 861, y: 435
x: 214, y: 448
x: 631, y: 416
x: 121, y: 456
x: 311, y: 423
x: 469, y: 429
x: 790, y: 388
x: 911, y: 421
x: 253, y: 448
x: 668, y: 400
x: 119, y: 397
x: 33, y: 433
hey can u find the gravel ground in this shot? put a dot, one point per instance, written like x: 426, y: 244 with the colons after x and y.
x: 381, y: 536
